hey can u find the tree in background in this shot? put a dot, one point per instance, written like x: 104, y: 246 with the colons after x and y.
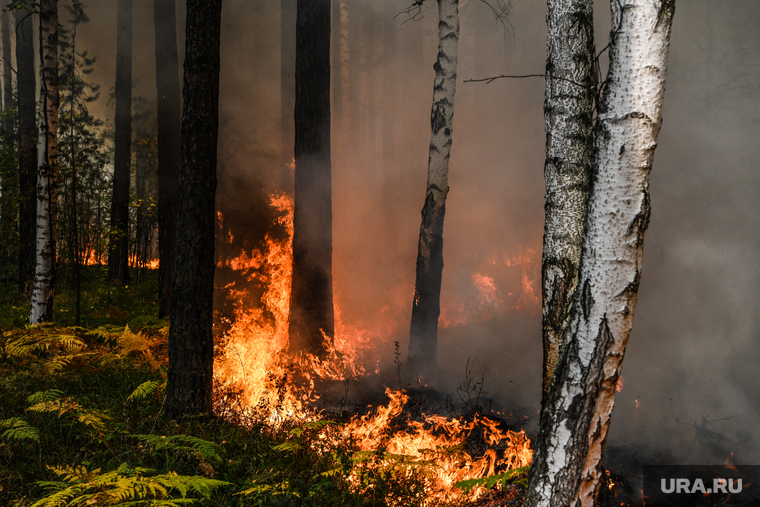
x: 8, y: 168
x: 43, y: 293
x: 191, y: 342
x: 27, y: 147
x: 312, y: 315
x: 82, y: 156
x: 576, y: 414
x: 568, y: 118
x: 167, y: 91
x: 287, y: 90
x: 423, y: 337
x: 118, y: 257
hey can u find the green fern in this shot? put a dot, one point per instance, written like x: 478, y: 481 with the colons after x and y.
x: 489, y: 482
x: 205, y: 450
x: 19, y: 429
x: 143, y: 390
x: 123, y: 486
x: 52, y: 402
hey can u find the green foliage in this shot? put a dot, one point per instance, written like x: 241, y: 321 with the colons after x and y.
x: 203, y: 449
x: 498, y: 480
x: 19, y: 429
x: 146, y: 388
x: 123, y: 486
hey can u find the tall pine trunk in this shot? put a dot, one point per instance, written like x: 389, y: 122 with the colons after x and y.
x: 423, y: 338
x: 568, y: 118
x: 167, y: 88
x: 7, y: 73
x: 43, y: 292
x: 287, y: 90
x: 191, y: 342
x: 118, y: 257
x: 8, y: 179
x: 27, y: 147
x: 311, y: 306
x: 576, y: 416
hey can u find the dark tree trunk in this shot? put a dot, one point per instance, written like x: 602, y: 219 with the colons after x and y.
x: 27, y: 155
x: 191, y: 343
x: 8, y: 179
x: 311, y: 305
x: 287, y: 89
x: 7, y: 76
x: 568, y: 110
x: 423, y: 337
x: 118, y: 258
x: 167, y: 87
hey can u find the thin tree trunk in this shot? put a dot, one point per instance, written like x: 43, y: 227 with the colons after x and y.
x: 287, y: 90
x: 574, y: 421
x: 8, y: 181
x: 423, y: 338
x: 27, y: 147
x: 568, y: 118
x: 118, y: 257
x: 191, y: 342
x: 346, y: 105
x: 311, y: 306
x: 43, y: 292
x: 167, y: 87
x: 73, y: 205
x: 7, y: 72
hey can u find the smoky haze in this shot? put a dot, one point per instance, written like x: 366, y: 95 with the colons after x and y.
x: 689, y: 386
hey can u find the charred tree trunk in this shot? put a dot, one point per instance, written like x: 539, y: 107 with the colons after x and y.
x: 118, y: 257
x: 27, y: 147
x: 43, y: 292
x: 344, y: 75
x: 287, y: 90
x: 191, y: 342
x: 167, y: 88
x: 568, y: 118
x: 423, y: 338
x: 574, y: 421
x: 311, y: 305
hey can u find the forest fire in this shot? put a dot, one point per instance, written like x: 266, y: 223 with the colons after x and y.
x: 253, y: 361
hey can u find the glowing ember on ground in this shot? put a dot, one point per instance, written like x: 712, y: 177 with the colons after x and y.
x: 252, y: 361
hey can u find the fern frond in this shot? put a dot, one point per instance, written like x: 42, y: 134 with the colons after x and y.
x: 42, y: 396
x: 143, y: 390
x: 206, y: 450
x: 499, y: 480
x: 19, y: 429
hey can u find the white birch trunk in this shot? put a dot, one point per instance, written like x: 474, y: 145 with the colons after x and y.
x: 576, y: 417
x: 427, y: 292
x: 43, y: 292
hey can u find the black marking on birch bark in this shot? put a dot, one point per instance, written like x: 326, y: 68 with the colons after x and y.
x: 438, y: 118
x: 557, y: 301
x: 428, y: 210
x: 665, y: 13
x: 640, y: 222
x: 622, y: 149
x: 587, y: 300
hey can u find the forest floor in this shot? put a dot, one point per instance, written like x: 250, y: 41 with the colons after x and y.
x: 81, y: 423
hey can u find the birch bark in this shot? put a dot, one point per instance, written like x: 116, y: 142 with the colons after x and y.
x: 576, y: 417
x: 43, y: 292
x: 568, y: 111
x: 423, y: 338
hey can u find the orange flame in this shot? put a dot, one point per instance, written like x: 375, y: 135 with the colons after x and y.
x: 252, y: 360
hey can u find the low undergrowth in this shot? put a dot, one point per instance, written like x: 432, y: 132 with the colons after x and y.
x: 81, y: 423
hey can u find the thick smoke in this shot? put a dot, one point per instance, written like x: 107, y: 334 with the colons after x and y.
x: 692, y: 361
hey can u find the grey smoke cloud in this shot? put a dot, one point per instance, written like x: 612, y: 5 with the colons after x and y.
x: 693, y: 354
